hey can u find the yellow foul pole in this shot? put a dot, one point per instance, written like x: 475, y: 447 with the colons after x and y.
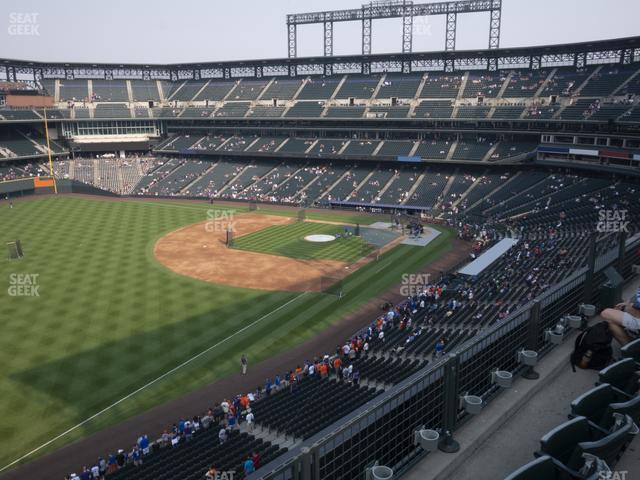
x: 46, y: 132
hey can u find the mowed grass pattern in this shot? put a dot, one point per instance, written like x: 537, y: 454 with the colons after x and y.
x: 109, y: 318
x: 288, y: 241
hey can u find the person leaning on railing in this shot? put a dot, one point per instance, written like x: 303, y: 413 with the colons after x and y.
x: 624, y: 319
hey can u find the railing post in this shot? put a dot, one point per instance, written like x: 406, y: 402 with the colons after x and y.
x: 315, y: 463
x: 306, y: 463
x: 450, y: 410
x: 534, y: 326
x: 591, y: 267
x: 622, y: 251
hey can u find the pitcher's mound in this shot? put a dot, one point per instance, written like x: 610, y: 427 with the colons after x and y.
x: 320, y: 238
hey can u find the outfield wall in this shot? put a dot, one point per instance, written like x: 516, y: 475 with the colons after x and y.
x: 27, y: 186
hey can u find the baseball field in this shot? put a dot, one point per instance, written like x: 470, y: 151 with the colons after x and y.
x: 103, y: 318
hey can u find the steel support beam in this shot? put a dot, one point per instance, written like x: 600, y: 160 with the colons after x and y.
x: 406, y: 10
x: 591, y: 268
x: 617, y: 51
x: 407, y: 30
x: 293, y: 44
x: 535, y: 62
x: 449, y: 65
x: 494, y: 24
x: 450, y: 38
x: 367, y: 23
x: 328, y: 39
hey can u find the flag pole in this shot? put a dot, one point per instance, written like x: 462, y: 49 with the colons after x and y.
x: 46, y: 132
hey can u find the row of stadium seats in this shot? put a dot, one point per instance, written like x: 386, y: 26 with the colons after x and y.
x: 466, y: 148
x: 598, y: 109
x: 602, y: 424
x: 446, y: 188
x: 593, y: 81
x: 20, y: 143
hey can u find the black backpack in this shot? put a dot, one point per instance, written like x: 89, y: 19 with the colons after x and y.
x: 592, y: 349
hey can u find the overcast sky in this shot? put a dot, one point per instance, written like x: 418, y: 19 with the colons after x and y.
x: 162, y: 31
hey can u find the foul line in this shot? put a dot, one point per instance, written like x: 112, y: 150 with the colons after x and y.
x: 186, y: 362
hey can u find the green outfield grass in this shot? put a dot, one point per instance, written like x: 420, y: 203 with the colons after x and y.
x: 288, y: 241
x: 329, y: 216
x: 108, y: 318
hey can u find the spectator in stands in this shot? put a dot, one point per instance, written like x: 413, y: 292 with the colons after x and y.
x: 225, y: 407
x: 165, y: 439
x: 267, y: 386
x: 143, y: 444
x: 222, y: 435
x: 250, y: 418
x: 255, y: 456
x: 249, y: 466
x: 112, y: 464
x: 624, y: 319
x: 136, y: 455
x: 121, y: 458
x: 85, y: 474
x: 212, y: 473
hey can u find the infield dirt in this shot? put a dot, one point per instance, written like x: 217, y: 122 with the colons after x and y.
x: 200, y: 251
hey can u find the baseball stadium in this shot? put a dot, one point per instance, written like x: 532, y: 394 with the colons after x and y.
x: 422, y: 264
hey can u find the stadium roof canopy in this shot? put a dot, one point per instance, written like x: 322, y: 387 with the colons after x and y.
x: 621, y: 50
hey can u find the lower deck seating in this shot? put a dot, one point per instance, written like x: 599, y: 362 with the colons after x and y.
x: 189, y: 460
x: 313, y: 404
